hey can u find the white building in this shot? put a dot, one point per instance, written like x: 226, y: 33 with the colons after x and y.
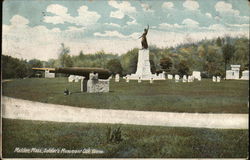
x: 234, y: 73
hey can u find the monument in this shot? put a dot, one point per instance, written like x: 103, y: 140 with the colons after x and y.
x: 143, y: 70
x: 234, y: 73
x: 245, y: 75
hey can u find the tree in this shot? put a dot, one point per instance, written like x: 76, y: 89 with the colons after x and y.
x: 228, y: 51
x: 114, y: 65
x: 183, y: 68
x: 35, y: 63
x: 166, y: 63
x: 64, y: 57
x: 219, y: 42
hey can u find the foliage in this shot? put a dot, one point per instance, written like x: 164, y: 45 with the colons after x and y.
x: 228, y: 51
x: 211, y: 57
x: 14, y: 68
x: 166, y: 63
x: 138, y: 141
x: 183, y: 68
x: 114, y: 65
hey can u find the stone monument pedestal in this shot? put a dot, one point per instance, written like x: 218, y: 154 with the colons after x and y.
x: 143, y: 70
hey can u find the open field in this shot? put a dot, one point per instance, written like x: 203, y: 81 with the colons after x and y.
x: 138, y: 141
x: 168, y: 96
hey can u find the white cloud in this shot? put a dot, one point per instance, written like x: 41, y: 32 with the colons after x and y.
x: 190, y: 23
x: 167, y: 5
x: 57, y: 9
x: 17, y: 20
x: 238, y: 25
x: 209, y: 15
x: 133, y: 22
x: 146, y: 7
x: 216, y: 27
x: 84, y: 18
x: 223, y: 7
x: 110, y: 34
x: 122, y: 9
x: 116, y: 34
x: 191, y: 5
x: 112, y: 24
x: 166, y: 26
x: 117, y: 14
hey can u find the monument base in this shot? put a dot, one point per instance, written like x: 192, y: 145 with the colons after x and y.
x: 143, y: 71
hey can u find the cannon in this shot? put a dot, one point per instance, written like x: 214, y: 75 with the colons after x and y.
x: 90, y: 82
x: 80, y: 71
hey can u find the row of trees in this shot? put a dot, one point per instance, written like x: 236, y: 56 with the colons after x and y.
x: 211, y: 57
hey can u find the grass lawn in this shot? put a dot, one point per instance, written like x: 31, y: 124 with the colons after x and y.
x: 229, y: 96
x: 138, y: 141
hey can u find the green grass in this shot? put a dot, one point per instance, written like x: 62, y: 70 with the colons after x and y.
x: 138, y: 141
x: 203, y: 97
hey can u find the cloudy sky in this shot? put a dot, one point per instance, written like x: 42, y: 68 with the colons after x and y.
x: 36, y: 28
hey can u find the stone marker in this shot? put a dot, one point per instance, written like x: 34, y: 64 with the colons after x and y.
x: 47, y: 74
x: 170, y: 76
x: 177, y: 78
x: 71, y: 78
x: 234, y: 73
x: 218, y: 79
x: 199, y: 78
x: 117, y: 78
x: 197, y: 75
x: 184, y: 78
x: 95, y: 85
x: 214, y: 79
x: 190, y: 78
x: 77, y: 78
x: 139, y: 80
x: 127, y: 79
x: 151, y: 80
x: 245, y: 75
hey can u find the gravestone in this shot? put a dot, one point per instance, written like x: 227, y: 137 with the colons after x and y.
x: 184, y: 78
x: 47, y: 74
x: 214, y: 79
x: 71, y: 78
x: 190, y: 78
x: 245, y: 75
x: 170, y: 76
x: 117, y: 78
x: 177, y: 78
x: 95, y: 85
x: 197, y: 75
x: 139, y: 80
x: 127, y: 79
x: 218, y: 79
x: 151, y: 80
x: 77, y: 78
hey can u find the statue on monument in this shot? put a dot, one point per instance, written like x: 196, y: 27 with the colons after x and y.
x: 144, y: 42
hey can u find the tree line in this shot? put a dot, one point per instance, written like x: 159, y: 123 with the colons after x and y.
x: 211, y: 57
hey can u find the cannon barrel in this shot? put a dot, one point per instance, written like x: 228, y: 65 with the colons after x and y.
x: 102, y: 73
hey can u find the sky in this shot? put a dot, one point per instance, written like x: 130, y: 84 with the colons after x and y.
x: 36, y: 28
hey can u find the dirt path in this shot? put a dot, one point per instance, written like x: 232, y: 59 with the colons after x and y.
x: 28, y: 110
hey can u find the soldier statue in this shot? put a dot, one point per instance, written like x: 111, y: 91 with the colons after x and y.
x: 144, y: 42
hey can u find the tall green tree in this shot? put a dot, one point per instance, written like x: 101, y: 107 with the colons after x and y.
x: 228, y: 51
x: 183, y: 68
x: 114, y: 65
x: 64, y: 58
x: 166, y: 63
